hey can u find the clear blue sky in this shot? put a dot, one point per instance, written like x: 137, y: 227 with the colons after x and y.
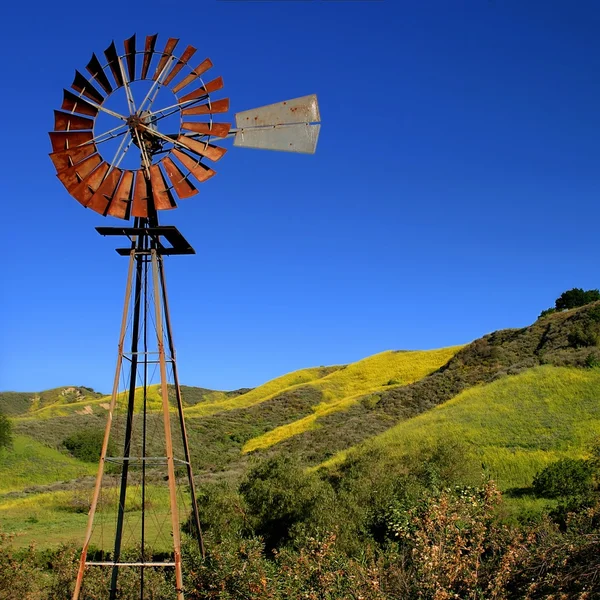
x: 455, y: 189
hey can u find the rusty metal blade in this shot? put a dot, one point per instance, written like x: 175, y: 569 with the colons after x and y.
x: 67, y: 158
x: 101, y: 199
x: 211, y: 152
x: 73, y: 176
x: 148, y: 51
x: 84, y: 191
x: 69, y: 122
x: 204, y: 66
x: 299, y: 137
x: 129, y: 45
x: 187, y: 54
x: 74, y: 103
x: 216, y: 129
x: 163, y: 199
x: 198, y: 170
x: 218, y: 106
x: 113, y: 62
x: 182, y: 186
x: 166, y: 53
x: 139, y: 206
x: 61, y: 140
x: 209, y: 88
x: 298, y: 110
x: 94, y: 68
x: 121, y: 200
x: 82, y: 85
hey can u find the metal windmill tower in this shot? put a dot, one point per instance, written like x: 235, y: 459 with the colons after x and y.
x: 169, y: 162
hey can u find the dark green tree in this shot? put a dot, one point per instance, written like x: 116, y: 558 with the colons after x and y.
x: 566, y: 477
x: 86, y: 444
x: 576, y: 297
x: 5, y: 431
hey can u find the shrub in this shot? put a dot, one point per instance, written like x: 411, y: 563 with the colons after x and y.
x: 86, y: 445
x: 566, y: 477
x: 576, y: 297
x: 5, y: 431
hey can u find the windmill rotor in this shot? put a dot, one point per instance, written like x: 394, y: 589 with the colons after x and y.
x: 172, y: 164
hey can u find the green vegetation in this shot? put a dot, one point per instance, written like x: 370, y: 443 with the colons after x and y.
x: 5, y: 432
x: 572, y: 299
x: 86, y: 445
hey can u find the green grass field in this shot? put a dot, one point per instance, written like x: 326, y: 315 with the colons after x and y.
x: 345, y: 387
x: 516, y: 425
x: 29, y: 463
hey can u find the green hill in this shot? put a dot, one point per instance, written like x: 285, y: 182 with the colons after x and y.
x: 519, y: 398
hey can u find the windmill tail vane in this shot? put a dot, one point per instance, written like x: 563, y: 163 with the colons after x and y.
x: 133, y: 136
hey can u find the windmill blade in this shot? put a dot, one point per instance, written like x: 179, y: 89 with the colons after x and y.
x: 204, y: 66
x: 298, y: 110
x: 74, y: 103
x: 211, y: 152
x: 217, y: 129
x: 113, y: 62
x: 289, y: 126
x: 121, y: 200
x: 69, y: 122
x: 165, y: 55
x: 187, y: 54
x: 198, y: 170
x: 61, y: 140
x: 101, y: 199
x: 148, y: 52
x: 73, y: 176
x: 82, y: 85
x: 139, y: 206
x: 182, y: 186
x: 64, y: 159
x: 209, y: 88
x: 84, y: 191
x: 163, y: 199
x: 94, y: 68
x: 299, y: 137
x: 130, y: 56
x: 219, y: 106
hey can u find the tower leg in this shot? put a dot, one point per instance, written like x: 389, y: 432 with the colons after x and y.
x: 111, y: 409
x: 186, y: 447
x: 167, y: 422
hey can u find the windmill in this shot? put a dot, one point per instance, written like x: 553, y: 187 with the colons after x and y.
x: 130, y: 161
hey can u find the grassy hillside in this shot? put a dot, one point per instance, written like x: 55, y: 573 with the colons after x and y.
x: 345, y: 387
x: 263, y: 392
x: 516, y: 425
x: 29, y: 463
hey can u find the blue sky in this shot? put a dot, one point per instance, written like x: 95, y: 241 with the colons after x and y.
x: 454, y: 190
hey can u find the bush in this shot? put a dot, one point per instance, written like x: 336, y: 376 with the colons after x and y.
x: 5, y: 431
x: 576, y: 297
x: 566, y: 477
x: 86, y: 445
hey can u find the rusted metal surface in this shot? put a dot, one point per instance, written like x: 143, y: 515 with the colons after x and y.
x: 216, y: 129
x: 61, y: 140
x: 84, y: 191
x: 187, y: 54
x: 218, y: 106
x: 166, y: 54
x: 183, y: 187
x: 94, y: 68
x: 139, y: 207
x: 68, y: 122
x: 113, y: 62
x: 148, y: 52
x: 74, y: 103
x: 204, y: 66
x: 129, y: 45
x: 301, y: 138
x: 72, y: 176
x: 82, y: 85
x: 163, y: 199
x: 298, y: 110
x: 102, y: 198
x: 211, y: 152
x: 121, y: 201
x: 67, y: 158
x: 209, y: 88
x: 200, y: 171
